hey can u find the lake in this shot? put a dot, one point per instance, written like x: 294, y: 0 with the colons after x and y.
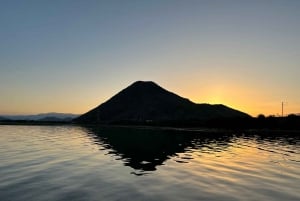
x: 90, y: 163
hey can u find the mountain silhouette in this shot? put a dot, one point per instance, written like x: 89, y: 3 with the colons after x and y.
x: 147, y: 102
x: 51, y: 116
x: 3, y: 119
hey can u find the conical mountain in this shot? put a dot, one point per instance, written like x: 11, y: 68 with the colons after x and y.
x: 148, y: 102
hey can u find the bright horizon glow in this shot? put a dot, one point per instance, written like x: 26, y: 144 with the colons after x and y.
x: 71, y: 56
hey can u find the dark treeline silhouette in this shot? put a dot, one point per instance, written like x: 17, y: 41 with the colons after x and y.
x: 290, y: 122
x: 260, y: 122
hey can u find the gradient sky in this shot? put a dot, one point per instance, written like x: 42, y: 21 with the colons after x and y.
x: 70, y: 56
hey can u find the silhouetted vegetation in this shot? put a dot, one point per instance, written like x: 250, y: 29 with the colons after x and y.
x: 260, y: 122
x: 291, y: 122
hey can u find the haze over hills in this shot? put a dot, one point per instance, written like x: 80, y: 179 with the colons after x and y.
x: 145, y: 101
x: 53, y: 116
x: 3, y: 118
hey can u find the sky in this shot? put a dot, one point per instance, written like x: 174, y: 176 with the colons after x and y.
x: 70, y: 56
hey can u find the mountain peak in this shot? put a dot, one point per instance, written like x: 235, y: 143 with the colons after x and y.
x: 144, y: 84
x: 145, y: 101
x: 140, y: 82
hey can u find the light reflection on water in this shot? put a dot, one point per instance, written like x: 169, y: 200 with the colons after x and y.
x: 78, y: 163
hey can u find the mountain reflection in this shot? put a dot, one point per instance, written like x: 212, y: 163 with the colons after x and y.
x: 145, y: 149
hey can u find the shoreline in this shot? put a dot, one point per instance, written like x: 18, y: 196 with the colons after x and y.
x: 159, y: 127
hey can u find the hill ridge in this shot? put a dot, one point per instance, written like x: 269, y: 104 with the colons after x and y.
x: 146, y: 101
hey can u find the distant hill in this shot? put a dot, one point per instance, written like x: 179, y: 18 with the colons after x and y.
x: 144, y: 102
x: 56, y: 119
x: 3, y: 119
x: 42, y: 117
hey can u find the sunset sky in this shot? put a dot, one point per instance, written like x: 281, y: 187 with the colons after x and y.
x: 70, y: 56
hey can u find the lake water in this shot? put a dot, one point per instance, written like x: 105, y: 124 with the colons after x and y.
x: 86, y: 163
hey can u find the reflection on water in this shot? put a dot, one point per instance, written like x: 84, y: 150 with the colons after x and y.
x: 89, y: 163
x: 144, y: 149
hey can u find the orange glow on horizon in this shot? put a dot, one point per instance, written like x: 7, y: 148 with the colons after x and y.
x: 248, y: 100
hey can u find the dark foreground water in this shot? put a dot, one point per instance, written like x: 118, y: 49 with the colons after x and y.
x: 77, y: 163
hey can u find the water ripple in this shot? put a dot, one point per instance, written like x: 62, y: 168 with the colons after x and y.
x: 77, y: 163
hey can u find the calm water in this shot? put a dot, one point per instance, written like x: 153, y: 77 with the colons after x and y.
x: 77, y: 163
